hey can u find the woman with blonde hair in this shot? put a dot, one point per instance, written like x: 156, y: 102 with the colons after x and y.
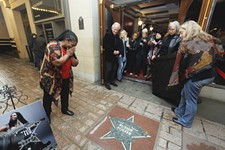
x: 122, y: 58
x: 194, y: 67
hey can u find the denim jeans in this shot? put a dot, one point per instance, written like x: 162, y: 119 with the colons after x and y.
x: 187, y: 108
x: 121, y: 65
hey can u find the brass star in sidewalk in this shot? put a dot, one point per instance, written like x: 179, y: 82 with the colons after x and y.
x: 125, y: 131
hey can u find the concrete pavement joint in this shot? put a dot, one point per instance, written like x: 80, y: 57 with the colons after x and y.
x: 158, y: 132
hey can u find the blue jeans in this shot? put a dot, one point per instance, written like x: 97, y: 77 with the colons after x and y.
x: 121, y: 65
x: 187, y: 108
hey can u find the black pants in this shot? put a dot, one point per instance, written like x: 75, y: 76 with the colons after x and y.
x: 131, y: 61
x: 47, y: 102
x: 47, y: 99
x: 141, y: 62
x: 65, y: 95
x: 110, y: 71
x: 38, y: 58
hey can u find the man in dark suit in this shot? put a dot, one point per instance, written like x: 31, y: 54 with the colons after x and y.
x: 111, y: 44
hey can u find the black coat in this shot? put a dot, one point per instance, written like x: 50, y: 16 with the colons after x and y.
x: 170, y: 45
x: 39, y: 44
x: 110, y: 43
x: 144, y: 48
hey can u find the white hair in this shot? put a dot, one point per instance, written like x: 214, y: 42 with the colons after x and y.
x: 174, y: 24
x: 116, y: 25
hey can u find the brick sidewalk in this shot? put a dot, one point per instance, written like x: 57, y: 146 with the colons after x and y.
x: 91, y: 104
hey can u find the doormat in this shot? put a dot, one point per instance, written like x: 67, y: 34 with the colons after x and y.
x: 122, y: 129
x: 193, y: 143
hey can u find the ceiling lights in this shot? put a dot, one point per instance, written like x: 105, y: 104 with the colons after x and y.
x: 140, y: 21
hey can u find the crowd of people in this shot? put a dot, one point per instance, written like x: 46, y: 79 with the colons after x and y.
x: 193, y: 49
x: 131, y: 55
x: 195, y: 52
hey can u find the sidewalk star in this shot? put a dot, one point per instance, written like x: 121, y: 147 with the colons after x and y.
x: 125, y: 131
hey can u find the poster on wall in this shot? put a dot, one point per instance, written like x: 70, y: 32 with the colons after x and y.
x: 26, y: 128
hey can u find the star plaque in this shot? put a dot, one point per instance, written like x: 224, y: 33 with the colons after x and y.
x: 122, y: 129
x: 125, y: 131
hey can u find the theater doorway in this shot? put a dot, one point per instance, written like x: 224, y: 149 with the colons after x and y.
x: 134, y: 16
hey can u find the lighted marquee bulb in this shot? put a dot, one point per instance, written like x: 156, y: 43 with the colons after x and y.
x: 111, y: 6
x: 140, y: 22
x: 45, y: 10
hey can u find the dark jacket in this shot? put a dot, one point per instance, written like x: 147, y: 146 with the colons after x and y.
x: 110, y: 43
x: 169, y: 48
x: 133, y: 45
x: 144, y: 48
x: 39, y: 44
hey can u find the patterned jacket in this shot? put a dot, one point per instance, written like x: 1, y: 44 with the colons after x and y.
x: 195, y: 59
x: 50, y: 75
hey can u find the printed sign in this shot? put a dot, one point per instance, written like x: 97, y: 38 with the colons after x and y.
x: 26, y: 128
